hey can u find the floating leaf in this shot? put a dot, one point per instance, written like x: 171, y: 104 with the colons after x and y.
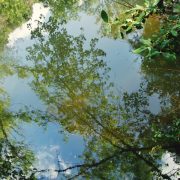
x: 104, y: 16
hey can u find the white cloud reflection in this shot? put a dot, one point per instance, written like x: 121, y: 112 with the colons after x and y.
x: 23, y: 31
x: 170, y: 166
x: 49, y: 158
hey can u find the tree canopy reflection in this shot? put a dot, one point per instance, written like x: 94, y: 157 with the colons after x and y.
x: 122, y: 134
x: 15, y: 157
x: 123, y: 137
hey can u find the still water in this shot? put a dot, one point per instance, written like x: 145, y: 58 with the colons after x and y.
x: 126, y: 72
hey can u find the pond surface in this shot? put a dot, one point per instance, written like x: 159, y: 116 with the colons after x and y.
x: 64, y: 89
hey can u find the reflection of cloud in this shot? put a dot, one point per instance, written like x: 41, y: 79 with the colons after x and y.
x: 169, y: 165
x: 38, y: 11
x: 49, y: 158
x: 63, y: 165
x: 54, y: 148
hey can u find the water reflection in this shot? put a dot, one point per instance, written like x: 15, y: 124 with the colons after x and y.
x: 123, y: 137
x: 15, y: 157
x: 74, y: 83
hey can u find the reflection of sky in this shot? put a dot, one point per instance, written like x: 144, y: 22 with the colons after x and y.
x: 119, y: 54
x: 169, y: 166
x: 50, y: 157
x: 42, y: 141
x: 119, y: 58
x: 23, y: 32
x: 124, y: 73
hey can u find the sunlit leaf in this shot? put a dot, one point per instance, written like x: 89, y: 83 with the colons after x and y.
x: 139, y: 50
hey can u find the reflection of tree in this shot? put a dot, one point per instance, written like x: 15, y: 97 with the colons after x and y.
x: 73, y: 76
x: 73, y: 82
x: 123, y: 139
x: 15, y: 158
x: 152, y: 135
x: 163, y: 79
x: 64, y: 11
x: 12, y: 15
x: 71, y: 8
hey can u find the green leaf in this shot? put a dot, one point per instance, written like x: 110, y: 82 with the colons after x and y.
x: 176, y: 9
x: 146, y: 42
x: 169, y: 56
x: 139, y: 50
x: 155, y: 53
x: 174, y: 33
x: 104, y: 16
x: 164, y: 43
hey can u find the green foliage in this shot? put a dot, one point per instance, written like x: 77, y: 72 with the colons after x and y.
x: 171, y: 133
x: 15, y: 158
x: 12, y: 14
x: 76, y: 74
x: 15, y: 161
x: 73, y: 82
x: 123, y: 137
x: 164, y: 43
x: 62, y: 10
x: 131, y: 19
